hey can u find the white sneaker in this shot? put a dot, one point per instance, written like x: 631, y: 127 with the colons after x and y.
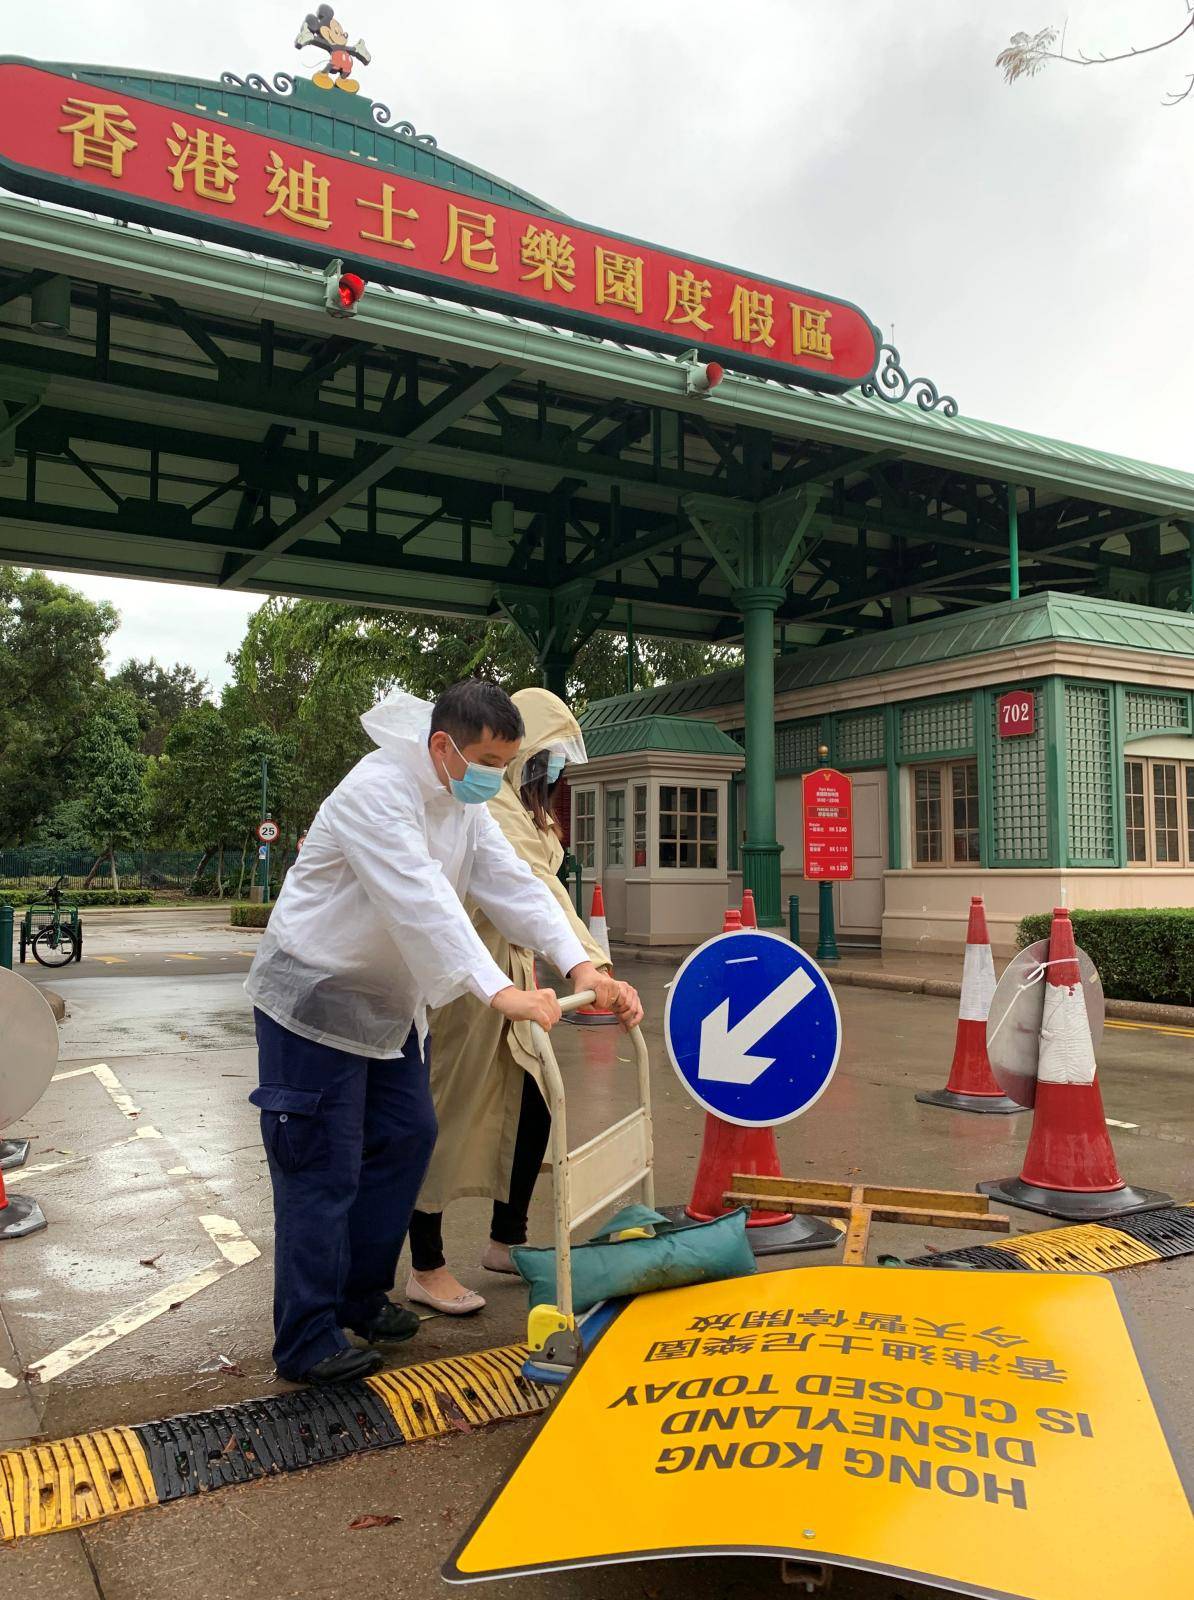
x: 465, y: 1304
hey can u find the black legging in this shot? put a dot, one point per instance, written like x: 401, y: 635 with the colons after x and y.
x: 509, y: 1223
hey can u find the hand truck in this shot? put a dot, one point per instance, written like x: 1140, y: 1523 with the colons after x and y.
x: 585, y: 1181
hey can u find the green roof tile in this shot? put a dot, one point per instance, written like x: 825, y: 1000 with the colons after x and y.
x: 684, y: 734
x: 1114, y: 623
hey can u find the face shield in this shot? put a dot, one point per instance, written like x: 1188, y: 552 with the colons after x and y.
x: 553, y: 758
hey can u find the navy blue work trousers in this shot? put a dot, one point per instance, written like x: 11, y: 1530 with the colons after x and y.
x: 348, y: 1140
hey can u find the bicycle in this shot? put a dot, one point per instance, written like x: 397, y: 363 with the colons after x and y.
x: 57, y: 941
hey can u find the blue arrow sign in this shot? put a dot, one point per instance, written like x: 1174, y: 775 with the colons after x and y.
x: 752, y: 1028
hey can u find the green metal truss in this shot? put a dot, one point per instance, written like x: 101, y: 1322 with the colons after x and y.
x: 202, y: 420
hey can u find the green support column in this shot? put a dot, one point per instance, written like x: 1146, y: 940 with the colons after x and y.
x: 556, y: 625
x: 554, y: 672
x: 761, y: 852
x: 1013, y: 541
x: 758, y: 547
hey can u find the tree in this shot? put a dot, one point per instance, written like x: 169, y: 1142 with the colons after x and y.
x: 307, y: 669
x: 165, y: 693
x: 189, y: 787
x: 52, y: 643
x: 110, y: 771
x: 1030, y: 53
x: 253, y: 746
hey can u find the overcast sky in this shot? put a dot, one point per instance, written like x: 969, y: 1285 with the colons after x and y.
x: 1031, y: 245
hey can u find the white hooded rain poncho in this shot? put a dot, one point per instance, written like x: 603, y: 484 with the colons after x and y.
x: 369, y: 930
x: 477, y: 1058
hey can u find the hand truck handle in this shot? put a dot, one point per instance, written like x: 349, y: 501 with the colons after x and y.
x: 574, y: 1002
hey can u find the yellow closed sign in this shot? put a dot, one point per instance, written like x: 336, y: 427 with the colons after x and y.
x: 992, y: 1431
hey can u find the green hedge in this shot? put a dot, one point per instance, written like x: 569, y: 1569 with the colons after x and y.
x: 250, y: 916
x: 82, y: 897
x: 1141, y: 955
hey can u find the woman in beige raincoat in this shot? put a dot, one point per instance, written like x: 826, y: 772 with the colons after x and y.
x: 494, y: 1125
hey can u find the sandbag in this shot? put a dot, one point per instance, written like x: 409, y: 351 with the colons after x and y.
x: 701, y: 1252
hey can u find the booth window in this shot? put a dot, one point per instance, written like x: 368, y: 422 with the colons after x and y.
x: 1159, y: 812
x: 584, y: 840
x: 688, y: 827
x: 945, y: 830
x: 640, y: 824
x: 615, y: 827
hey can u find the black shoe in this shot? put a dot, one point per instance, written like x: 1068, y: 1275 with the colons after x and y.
x: 346, y: 1366
x: 391, y: 1325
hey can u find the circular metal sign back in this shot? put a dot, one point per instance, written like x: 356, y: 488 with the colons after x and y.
x: 28, y: 1045
x: 1014, y: 1020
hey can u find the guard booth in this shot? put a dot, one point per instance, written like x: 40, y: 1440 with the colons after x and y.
x: 263, y: 335
x: 1013, y: 751
x: 653, y: 822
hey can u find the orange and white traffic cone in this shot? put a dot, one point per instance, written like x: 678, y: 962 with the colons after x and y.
x: 1069, y: 1168
x: 971, y: 1085
x: 13, y: 1153
x: 749, y: 917
x: 592, y: 1016
x: 732, y: 922
x: 19, y: 1215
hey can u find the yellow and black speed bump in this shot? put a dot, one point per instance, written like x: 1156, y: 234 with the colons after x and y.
x: 73, y: 1483
x: 1088, y: 1247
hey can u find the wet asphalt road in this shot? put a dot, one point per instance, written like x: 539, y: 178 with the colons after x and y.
x: 161, y: 1006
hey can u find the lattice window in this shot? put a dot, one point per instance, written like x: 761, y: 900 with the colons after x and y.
x: 796, y: 746
x: 937, y: 727
x: 1088, y: 751
x: 1019, y: 796
x: 860, y: 737
x: 1146, y: 712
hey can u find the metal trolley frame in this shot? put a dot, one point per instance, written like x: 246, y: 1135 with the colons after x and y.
x: 585, y: 1181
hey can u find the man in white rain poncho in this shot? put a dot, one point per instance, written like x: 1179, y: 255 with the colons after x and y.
x: 368, y: 932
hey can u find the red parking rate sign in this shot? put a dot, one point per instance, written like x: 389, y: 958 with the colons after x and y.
x: 828, y: 825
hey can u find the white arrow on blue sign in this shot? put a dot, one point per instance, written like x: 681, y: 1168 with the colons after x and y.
x: 752, y: 1028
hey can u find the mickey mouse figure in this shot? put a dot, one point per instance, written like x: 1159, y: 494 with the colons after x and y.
x: 322, y: 29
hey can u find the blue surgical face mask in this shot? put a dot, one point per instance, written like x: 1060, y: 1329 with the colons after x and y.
x: 479, y: 783
x: 555, y: 765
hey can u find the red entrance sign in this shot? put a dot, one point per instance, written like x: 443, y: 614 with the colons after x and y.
x: 98, y: 148
x: 1016, y: 713
x: 828, y: 825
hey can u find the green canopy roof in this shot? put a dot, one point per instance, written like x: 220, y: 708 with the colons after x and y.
x: 684, y: 734
x: 1041, y: 617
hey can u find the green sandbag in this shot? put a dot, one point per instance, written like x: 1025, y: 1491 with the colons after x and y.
x: 701, y: 1252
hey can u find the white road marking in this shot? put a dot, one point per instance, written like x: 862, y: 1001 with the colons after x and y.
x: 229, y: 1240
x: 104, y: 1074
x: 1112, y: 1123
x: 51, y: 1166
x: 237, y: 1252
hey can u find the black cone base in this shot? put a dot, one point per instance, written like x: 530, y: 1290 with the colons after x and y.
x: 1072, y: 1206
x: 21, y: 1216
x: 952, y: 1101
x: 13, y: 1154
x: 777, y: 1239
